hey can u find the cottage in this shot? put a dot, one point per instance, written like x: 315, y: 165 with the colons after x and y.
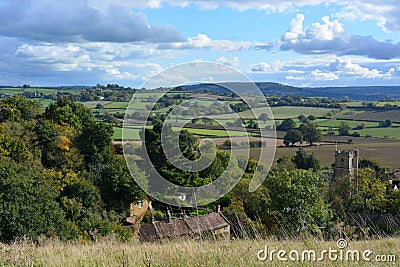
x: 213, y: 225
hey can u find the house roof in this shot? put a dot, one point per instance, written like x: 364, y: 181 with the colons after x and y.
x: 210, y: 221
x: 182, y: 227
x: 175, y: 228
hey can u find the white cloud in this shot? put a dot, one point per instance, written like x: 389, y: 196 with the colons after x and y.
x: 331, y: 38
x: 202, y: 41
x: 320, y: 75
x: 314, y: 75
x: 265, y: 67
x: 233, y: 62
x: 346, y: 67
x: 261, y: 67
x: 394, y: 71
x: 385, y: 13
x: 104, y: 61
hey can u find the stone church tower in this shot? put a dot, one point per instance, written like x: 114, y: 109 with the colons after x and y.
x: 346, y: 163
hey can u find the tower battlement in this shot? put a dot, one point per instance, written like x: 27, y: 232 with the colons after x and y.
x: 346, y: 163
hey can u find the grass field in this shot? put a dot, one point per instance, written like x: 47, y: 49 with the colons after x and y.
x: 374, y: 115
x: 381, y: 132
x: 351, y: 123
x: 45, y: 91
x: 136, y: 105
x: 45, y: 102
x: 93, y: 104
x: 381, y: 104
x: 287, y: 112
x: 109, y: 252
x: 10, y: 91
x: 129, y: 134
x: 116, y: 105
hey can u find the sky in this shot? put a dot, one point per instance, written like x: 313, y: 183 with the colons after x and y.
x: 299, y: 43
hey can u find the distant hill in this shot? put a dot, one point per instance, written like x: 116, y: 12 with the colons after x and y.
x: 362, y: 93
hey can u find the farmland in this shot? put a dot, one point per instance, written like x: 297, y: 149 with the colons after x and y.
x: 375, y: 142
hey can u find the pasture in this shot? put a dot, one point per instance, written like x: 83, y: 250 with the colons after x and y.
x: 392, y: 132
x: 116, y: 105
x: 372, y: 115
x: 129, y: 133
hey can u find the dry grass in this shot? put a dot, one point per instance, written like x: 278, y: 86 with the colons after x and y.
x: 109, y: 252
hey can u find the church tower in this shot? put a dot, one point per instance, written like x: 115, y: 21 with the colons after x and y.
x: 346, y: 163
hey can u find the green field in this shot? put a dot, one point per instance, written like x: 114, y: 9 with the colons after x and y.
x: 93, y: 104
x: 116, y: 105
x: 10, y: 91
x: 129, y: 133
x: 45, y: 102
x: 137, y: 105
x: 351, y: 123
x: 381, y: 132
x: 287, y: 112
x: 372, y: 115
x: 45, y: 91
x: 381, y: 104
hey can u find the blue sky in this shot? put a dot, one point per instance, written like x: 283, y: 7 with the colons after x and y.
x: 300, y: 43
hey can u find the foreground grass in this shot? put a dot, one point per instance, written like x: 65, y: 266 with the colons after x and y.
x: 109, y: 252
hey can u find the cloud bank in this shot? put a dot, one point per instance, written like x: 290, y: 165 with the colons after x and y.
x: 330, y: 37
x: 69, y: 20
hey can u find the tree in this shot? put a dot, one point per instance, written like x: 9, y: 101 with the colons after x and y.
x: 311, y: 133
x: 305, y: 161
x: 292, y: 137
x: 296, y: 200
x: 27, y: 109
x: 285, y: 163
x: 94, y: 142
x: 344, y: 129
x: 312, y: 118
x: 372, y: 164
x: 370, y: 195
x: 263, y: 117
x: 386, y: 123
x: 255, y: 203
x: 365, y: 193
x: 28, y: 203
x: 286, y: 125
x: 392, y: 204
x: 66, y: 111
x: 218, y: 166
x: 117, y: 186
x: 252, y: 123
x: 303, y: 119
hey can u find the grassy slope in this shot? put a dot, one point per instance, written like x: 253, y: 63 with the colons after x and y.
x: 189, y: 253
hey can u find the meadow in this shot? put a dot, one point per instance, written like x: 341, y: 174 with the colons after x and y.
x: 372, y: 115
x: 109, y: 252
